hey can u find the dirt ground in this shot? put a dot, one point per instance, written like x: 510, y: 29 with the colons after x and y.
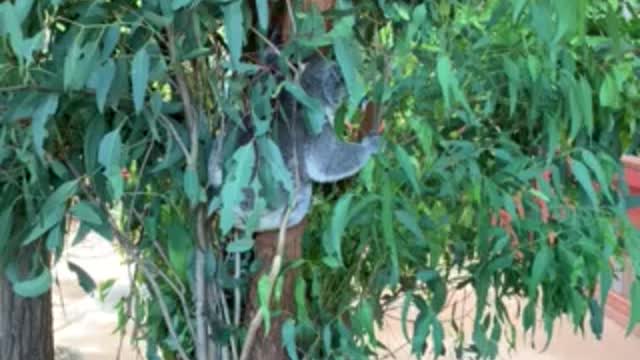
x: 84, y: 326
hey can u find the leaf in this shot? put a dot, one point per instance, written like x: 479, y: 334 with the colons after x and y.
x: 52, y: 211
x: 192, y: 187
x: 346, y: 51
x: 109, y: 152
x: 596, y: 321
x: 180, y: 248
x: 407, y: 166
x: 87, y: 213
x: 54, y: 239
x: 582, y: 176
x: 609, y: 93
x: 84, y: 279
x: 339, y: 221
x: 47, y: 107
x: 289, y: 338
x: 312, y: 106
x: 234, y: 30
x: 178, y: 4
x: 92, y: 138
x: 634, y: 317
x: 236, y: 180
x: 270, y: 152
x: 586, y: 103
x: 240, y: 246
x: 595, y: 166
x: 445, y: 75
x: 264, y: 296
x: 101, y: 80
x: 140, y: 78
x: 410, y: 222
x: 6, y: 225
x: 387, y: 230
x: 300, y: 295
x: 263, y: 14
x: 541, y: 265
x: 34, y: 287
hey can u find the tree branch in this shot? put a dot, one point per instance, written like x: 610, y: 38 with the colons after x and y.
x: 276, y: 265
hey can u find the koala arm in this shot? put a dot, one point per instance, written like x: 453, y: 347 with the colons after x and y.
x: 271, y: 219
x: 327, y: 159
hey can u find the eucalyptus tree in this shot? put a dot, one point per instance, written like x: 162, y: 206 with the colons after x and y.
x: 503, y: 121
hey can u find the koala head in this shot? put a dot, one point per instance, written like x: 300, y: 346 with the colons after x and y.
x: 321, y: 79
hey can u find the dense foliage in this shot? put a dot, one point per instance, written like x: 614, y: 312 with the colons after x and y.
x: 504, y: 120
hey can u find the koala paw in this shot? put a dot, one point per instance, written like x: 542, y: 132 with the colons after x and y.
x: 373, y: 143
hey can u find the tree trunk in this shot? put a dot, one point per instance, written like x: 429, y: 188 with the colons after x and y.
x: 270, y: 347
x: 26, y: 325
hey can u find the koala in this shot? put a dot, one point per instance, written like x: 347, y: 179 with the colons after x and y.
x: 321, y: 158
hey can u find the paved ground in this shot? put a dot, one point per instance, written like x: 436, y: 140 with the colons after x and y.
x: 84, y: 326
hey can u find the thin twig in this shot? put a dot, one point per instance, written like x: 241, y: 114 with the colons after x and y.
x: 276, y: 265
x: 127, y: 246
x: 164, y: 310
x: 275, y: 49
x: 236, y: 292
x: 185, y: 95
x: 176, y: 136
x: 201, y: 328
x: 291, y: 17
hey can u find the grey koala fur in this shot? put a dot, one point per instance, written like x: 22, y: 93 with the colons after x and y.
x: 309, y: 157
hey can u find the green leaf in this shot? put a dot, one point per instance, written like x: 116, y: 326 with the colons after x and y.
x: 93, y: 135
x: 347, y: 56
x: 289, y: 338
x: 270, y: 153
x: 410, y: 222
x: 192, y: 187
x: 109, y: 152
x: 584, y: 179
x: 541, y: 264
x: 263, y: 14
x: 596, y: 320
x: 180, y: 248
x: 240, y: 245
x: 87, y: 213
x: 586, y: 103
x: 264, y: 296
x: 84, y: 279
x: 387, y: 229
x: 54, y: 239
x: 52, y: 211
x: 595, y: 166
x: 34, y: 287
x: 236, y: 180
x: 339, y: 222
x: 140, y: 78
x: 178, y: 4
x: 634, y: 318
x: 407, y: 166
x: 312, y: 106
x: 100, y: 81
x: 445, y: 78
x: 609, y: 93
x: 6, y: 224
x: 46, y: 109
x: 300, y: 295
x: 234, y: 30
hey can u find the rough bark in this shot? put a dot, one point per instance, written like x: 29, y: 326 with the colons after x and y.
x: 270, y: 347
x: 26, y: 326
